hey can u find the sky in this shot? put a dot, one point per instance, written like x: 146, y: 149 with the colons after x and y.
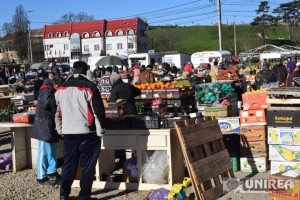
x: 156, y: 12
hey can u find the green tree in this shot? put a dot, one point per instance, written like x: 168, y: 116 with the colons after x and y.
x: 264, y: 21
x: 289, y: 14
x: 20, y: 32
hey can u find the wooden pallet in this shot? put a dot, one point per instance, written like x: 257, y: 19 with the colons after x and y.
x: 206, y: 157
x: 283, y: 98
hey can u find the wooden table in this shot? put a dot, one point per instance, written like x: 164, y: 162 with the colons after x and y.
x: 19, y: 137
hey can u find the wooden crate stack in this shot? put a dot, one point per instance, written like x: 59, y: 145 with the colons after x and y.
x: 283, y: 121
x: 254, y: 151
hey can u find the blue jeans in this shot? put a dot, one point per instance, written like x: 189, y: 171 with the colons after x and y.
x: 46, y: 159
x: 83, y: 149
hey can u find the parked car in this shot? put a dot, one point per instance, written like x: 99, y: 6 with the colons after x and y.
x: 33, y: 70
x: 64, y: 68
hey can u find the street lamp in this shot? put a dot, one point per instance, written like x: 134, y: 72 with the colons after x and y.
x: 234, y: 36
x: 126, y: 24
x: 29, y: 40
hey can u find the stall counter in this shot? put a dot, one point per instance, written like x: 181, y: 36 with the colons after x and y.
x: 140, y: 141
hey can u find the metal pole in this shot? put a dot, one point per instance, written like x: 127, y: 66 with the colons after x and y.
x: 234, y: 36
x: 30, y: 47
x: 220, y: 25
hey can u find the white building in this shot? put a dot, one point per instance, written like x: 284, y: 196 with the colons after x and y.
x: 80, y: 40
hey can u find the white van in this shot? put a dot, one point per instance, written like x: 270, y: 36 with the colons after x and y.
x: 144, y: 59
x: 208, y: 57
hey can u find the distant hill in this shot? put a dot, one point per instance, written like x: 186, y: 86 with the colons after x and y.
x: 197, y: 38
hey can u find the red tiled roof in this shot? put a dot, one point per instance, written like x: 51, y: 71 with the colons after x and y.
x: 115, y: 25
x: 91, y: 27
x: 75, y: 27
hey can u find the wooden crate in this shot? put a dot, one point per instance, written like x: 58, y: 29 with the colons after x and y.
x: 207, y: 160
x: 283, y: 96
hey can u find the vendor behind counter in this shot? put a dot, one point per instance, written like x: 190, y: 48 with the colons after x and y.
x: 121, y: 90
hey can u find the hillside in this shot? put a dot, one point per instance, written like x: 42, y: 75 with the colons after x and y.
x: 197, y: 38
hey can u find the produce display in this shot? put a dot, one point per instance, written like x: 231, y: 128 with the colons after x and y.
x: 162, y: 85
x: 208, y: 94
x: 228, y: 74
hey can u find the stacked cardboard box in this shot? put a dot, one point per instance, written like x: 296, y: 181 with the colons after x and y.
x: 283, y: 121
x: 253, y: 143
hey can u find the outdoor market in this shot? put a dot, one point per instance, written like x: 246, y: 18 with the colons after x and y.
x: 195, y: 126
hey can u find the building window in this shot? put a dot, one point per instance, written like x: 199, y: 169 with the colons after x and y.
x: 108, y: 47
x: 50, y: 35
x: 58, y: 34
x: 86, y: 35
x: 119, y: 46
x: 108, y: 33
x: 130, y: 32
x: 96, y: 34
x: 130, y: 45
x: 96, y: 47
x: 66, y: 34
x: 119, y: 33
x: 66, y: 46
x: 86, y: 47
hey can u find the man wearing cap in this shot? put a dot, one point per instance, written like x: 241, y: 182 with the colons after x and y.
x: 121, y: 90
x: 294, y: 74
x: 279, y: 72
x: 79, y: 118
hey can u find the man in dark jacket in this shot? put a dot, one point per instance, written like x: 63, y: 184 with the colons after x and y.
x: 121, y: 90
x: 280, y: 72
x: 44, y: 131
x: 79, y: 118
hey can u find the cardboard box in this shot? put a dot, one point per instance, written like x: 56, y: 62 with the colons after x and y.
x: 254, y: 133
x: 287, y: 193
x: 25, y: 117
x: 220, y: 111
x: 254, y: 154
x: 254, y: 101
x: 229, y: 125
x: 254, y: 164
x: 253, y: 145
x: 159, y: 93
x: 284, y: 135
x: 283, y: 118
x: 277, y: 166
x: 284, y: 153
x: 252, y: 117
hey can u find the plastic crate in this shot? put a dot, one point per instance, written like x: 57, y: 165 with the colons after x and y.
x: 168, y: 122
x: 118, y: 123
x: 145, y: 122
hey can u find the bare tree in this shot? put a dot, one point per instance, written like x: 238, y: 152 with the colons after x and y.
x: 83, y: 17
x: 7, y: 28
x: 20, y: 26
x: 72, y: 17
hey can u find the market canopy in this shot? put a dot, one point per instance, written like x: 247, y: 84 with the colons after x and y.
x: 111, y: 60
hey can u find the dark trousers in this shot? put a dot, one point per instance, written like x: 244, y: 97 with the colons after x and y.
x: 83, y: 148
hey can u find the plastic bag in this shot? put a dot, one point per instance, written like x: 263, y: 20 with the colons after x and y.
x: 156, y: 168
x: 158, y: 194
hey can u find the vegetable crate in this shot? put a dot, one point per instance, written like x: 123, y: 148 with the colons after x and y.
x: 220, y: 111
